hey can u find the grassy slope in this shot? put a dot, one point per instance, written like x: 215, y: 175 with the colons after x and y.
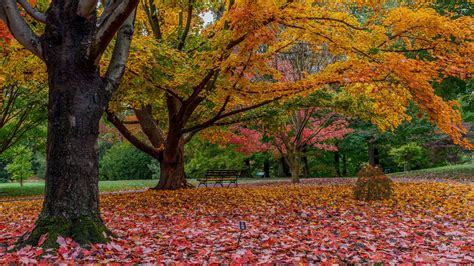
x: 453, y: 171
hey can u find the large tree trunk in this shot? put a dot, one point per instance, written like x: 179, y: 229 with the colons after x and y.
x: 71, y: 205
x: 172, y: 175
x: 77, y: 100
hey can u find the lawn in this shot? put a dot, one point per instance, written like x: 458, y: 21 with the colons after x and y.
x: 423, y: 222
x: 465, y: 171
x: 29, y: 189
x: 34, y: 189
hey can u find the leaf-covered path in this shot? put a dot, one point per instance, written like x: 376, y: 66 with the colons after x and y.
x: 424, y: 222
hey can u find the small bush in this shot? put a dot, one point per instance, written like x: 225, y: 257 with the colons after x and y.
x: 372, y: 184
x: 124, y: 162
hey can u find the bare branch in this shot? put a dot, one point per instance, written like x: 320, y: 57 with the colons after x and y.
x: 22, y: 32
x: 41, y: 17
x: 109, y: 24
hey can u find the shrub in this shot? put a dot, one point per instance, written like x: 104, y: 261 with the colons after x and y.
x: 409, y: 156
x: 372, y: 184
x: 123, y: 161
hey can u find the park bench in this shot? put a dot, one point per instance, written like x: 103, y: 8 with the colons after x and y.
x: 219, y: 177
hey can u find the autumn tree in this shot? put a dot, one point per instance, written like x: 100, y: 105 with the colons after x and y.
x: 22, y: 94
x: 74, y: 36
x: 211, y: 72
x: 291, y: 138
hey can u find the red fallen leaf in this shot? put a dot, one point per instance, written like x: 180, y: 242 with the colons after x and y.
x: 24, y: 260
x: 61, y: 241
x: 42, y: 239
x: 62, y: 250
x: 38, y: 252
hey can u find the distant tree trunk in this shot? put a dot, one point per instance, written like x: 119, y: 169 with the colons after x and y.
x: 295, y: 164
x: 266, y: 168
x: 305, y: 163
x: 283, y: 169
x: 373, y: 152
x: 337, y: 163
x: 172, y: 174
x: 344, y: 164
x: 246, y: 170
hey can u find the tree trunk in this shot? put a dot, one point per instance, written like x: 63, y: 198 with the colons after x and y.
x: 71, y: 205
x: 305, y: 163
x: 246, y: 170
x: 344, y: 164
x: 283, y: 169
x: 172, y: 174
x: 337, y: 164
x: 295, y: 168
x: 266, y: 168
x: 373, y: 152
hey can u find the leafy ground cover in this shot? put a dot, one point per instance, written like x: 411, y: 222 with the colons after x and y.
x: 423, y: 222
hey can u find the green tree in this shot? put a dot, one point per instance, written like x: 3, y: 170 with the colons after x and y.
x: 20, y: 168
x: 409, y: 156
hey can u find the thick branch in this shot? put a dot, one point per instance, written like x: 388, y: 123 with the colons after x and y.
x: 32, y: 12
x: 109, y: 25
x: 10, y: 14
x: 86, y: 8
x: 120, y: 56
x: 130, y: 137
x: 149, y: 126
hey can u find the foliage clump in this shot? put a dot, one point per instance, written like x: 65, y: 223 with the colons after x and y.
x: 372, y: 184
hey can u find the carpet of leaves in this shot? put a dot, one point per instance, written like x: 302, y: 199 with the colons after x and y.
x: 423, y: 222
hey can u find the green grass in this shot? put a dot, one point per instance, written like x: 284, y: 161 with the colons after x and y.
x: 35, y: 189
x: 454, y: 171
x: 31, y: 189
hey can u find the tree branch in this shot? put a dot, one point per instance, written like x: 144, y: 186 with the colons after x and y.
x: 130, y: 137
x: 22, y: 32
x: 86, y: 8
x: 41, y: 17
x: 149, y: 127
x: 188, y: 25
x: 212, y: 121
x: 109, y: 24
x: 120, y: 56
